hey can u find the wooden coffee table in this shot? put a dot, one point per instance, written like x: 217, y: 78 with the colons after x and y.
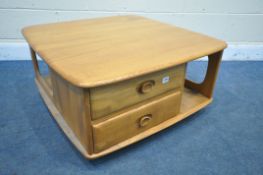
x: 116, y: 80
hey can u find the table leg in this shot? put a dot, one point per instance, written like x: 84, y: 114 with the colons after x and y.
x: 207, y: 86
x: 34, y: 61
x: 38, y: 76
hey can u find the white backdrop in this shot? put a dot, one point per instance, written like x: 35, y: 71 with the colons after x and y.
x: 239, y: 22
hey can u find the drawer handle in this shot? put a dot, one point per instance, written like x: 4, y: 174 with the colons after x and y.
x: 145, y: 120
x: 146, y: 87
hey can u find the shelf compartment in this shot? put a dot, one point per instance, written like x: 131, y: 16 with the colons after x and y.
x: 192, y: 102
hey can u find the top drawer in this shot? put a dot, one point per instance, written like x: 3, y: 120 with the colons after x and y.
x: 110, y: 98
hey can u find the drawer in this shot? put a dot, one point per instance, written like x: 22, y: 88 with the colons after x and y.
x: 111, y: 98
x: 136, y: 120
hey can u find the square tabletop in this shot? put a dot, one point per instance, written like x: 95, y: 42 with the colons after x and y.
x: 100, y: 51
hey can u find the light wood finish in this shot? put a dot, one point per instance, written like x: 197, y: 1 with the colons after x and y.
x: 135, y: 120
x: 104, y: 86
x: 34, y: 61
x: 70, y: 101
x: 90, y: 53
x: 207, y: 86
x: 129, y: 92
x: 38, y: 76
x: 61, y: 120
x: 48, y: 81
x: 191, y: 103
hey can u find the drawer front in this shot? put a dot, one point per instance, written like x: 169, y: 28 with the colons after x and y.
x: 111, y: 98
x: 134, y: 121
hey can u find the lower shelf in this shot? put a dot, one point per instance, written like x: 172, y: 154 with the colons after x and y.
x: 191, y: 103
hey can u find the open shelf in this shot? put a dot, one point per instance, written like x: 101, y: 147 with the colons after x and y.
x: 68, y: 93
x: 192, y: 101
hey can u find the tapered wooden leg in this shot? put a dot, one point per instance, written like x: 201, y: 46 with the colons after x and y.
x: 34, y: 61
x: 38, y: 76
x: 207, y: 86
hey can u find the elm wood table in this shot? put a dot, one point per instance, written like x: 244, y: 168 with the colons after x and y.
x: 114, y: 81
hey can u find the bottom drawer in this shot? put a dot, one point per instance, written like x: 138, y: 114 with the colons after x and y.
x: 136, y: 120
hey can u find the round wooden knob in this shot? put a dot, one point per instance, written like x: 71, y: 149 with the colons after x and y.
x: 145, y: 120
x: 146, y: 87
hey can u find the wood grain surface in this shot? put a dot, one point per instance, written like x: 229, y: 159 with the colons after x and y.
x: 96, y: 52
x: 116, y: 96
x: 133, y: 120
x: 107, y: 85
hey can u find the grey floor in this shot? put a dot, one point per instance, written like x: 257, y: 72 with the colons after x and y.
x: 224, y: 138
